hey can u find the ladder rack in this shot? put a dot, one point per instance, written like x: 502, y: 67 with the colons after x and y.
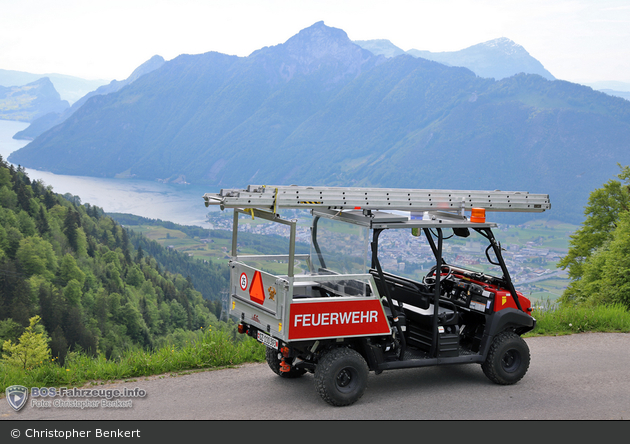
x: 341, y: 198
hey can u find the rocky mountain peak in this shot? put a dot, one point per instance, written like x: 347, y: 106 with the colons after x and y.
x: 31, y: 101
x: 318, y: 41
x: 45, y: 86
x: 505, y: 46
x: 150, y: 65
x: 317, y: 47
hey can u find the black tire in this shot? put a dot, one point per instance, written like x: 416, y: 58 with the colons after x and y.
x: 508, y: 359
x: 274, y: 364
x: 341, y: 376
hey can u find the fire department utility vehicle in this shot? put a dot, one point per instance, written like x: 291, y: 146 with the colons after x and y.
x: 335, y: 312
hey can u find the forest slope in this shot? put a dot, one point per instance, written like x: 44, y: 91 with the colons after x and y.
x: 79, y: 271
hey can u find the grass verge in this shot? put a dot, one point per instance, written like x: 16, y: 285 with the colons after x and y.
x: 212, y: 349
x: 552, y: 320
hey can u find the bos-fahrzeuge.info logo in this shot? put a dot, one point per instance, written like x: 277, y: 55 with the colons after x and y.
x: 17, y: 395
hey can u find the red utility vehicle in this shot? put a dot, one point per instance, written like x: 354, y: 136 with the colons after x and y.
x: 337, y: 314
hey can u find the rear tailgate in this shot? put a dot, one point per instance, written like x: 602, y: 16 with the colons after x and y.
x: 257, y: 298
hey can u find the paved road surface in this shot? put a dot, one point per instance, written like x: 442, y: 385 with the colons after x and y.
x: 576, y: 377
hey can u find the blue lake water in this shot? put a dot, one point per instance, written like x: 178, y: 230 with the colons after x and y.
x: 182, y: 204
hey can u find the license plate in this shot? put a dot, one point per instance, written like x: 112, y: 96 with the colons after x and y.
x: 267, y: 340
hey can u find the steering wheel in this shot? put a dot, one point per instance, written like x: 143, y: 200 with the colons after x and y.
x: 429, y: 279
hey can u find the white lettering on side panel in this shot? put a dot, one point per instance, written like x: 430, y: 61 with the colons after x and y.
x: 335, y: 318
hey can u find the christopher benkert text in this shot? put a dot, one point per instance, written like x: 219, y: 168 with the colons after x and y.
x: 98, y: 433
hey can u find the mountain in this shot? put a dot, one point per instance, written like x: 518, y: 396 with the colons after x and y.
x: 380, y: 46
x: 70, y: 88
x: 610, y: 84
x: 612, y: 92
x: 49, y: 120
x: 320, y: 110
x: 497, y: 59
x: 29, y: 102
x: 612, y: 87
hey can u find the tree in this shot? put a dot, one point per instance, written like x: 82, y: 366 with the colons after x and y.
x: 179, y: 317
x: 8, y: 198
x: 135, y: 276
x: 77, y: 334
x: 12, y: 241
x: 71, y: 223
x: 59, y: 345
x: 599, y: 250
x: 9, y: 329
x: 26, y: 223
x: 68, y: 270
x: 36, y: 256
x: 605, y: 275
x: 32, y: 349
x: 5, y: 177
x: 72, y: 292
x: 42, y: 221
x: 602, y: 214
x: 136, y: 327
x: 139, y: 254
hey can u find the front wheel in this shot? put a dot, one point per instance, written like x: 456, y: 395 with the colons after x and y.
x: 508, y: 359
x: 341, y: 376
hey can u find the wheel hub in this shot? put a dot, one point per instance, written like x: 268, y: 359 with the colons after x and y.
x: 511, y: 360
x: 344, y: 378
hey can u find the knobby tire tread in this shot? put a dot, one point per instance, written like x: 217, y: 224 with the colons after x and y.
x: 492, y: 361
x: 324, y: 370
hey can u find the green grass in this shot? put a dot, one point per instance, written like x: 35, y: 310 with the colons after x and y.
x: 552, y: 320
x: 209, y: 350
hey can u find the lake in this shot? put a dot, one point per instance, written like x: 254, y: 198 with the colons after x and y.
x: 182, y: 204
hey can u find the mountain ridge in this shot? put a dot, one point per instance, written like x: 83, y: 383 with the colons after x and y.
x: 70, y: 88
x: 31, y: 101
x: 49, y: 120
x: 322, y: 118
x: 497, y: 58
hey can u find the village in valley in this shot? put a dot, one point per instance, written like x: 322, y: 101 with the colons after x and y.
x: 531, y: 251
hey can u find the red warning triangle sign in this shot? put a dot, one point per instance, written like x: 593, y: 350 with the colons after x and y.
x: 256, y: 290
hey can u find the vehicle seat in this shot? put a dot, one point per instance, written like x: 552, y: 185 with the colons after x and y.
x: 404, y: 290
x: 446, y: 316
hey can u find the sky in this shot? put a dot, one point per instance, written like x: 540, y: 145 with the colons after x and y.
x: 582, y: 41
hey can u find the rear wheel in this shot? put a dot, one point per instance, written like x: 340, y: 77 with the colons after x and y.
x: 508, y: 359
x: 273, y: 361
x: 341, y: 376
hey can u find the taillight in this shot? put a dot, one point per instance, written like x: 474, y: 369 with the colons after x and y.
x: 242, y: 329
x: 285, y: 351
